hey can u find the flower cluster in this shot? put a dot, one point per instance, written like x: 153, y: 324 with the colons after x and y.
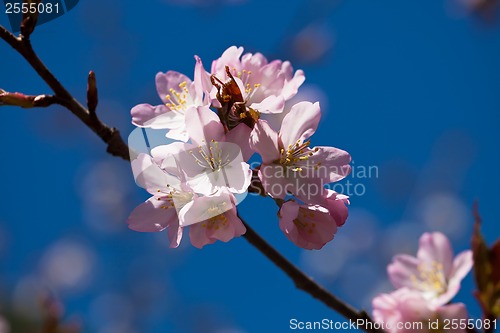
x: 218, y: 123
x: 426, y: 284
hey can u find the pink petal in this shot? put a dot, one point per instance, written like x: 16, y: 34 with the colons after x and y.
x: 201, y: 79
x: 309, y: 227
x: 309, y: 189
x: 178, y: 134
x: 203, y: 125
x: 230, y: 57
x: 169, y: 157
x: 151, y: 217
x: 300, y: 123
x: 240, y: 135
x: 265, y: 141
x: 223, y: 227
x: 253, y: 62
x: 203, y: 208
x: 453, y: 311
x: 401, y: 269
x: 149, y: 176
x: 145, y: 115
x: 291, y: 84
x: 270, y: 104
x: 435, y: 247
x: 337, y: 206
x: 334, y: 163
x: 274, y: 181
x: 169, y: 80
x: 462, y: 264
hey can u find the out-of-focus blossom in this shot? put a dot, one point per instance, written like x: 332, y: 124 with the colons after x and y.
x: 312, y: 43
x: 406, y: 311
x: 289, y: 166
x: 434, y: 273
x: 4, y: 326
x: 68, y: 266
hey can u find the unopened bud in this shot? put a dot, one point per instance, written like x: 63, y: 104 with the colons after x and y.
x: 25, y: 101
x: 92, y: 96
x: 16, y: 99
x: 30, y: 17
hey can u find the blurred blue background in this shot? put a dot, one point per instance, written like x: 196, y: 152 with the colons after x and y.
x: 409, y: 88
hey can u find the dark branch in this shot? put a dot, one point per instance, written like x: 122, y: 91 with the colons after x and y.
x: 111, y: 136
x: 305, y: 283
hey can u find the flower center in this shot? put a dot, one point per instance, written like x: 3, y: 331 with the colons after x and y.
x: 178, y: 100
x: 301, y: 221
x: 297, y: 155
x: 210, y: 156
x: 430, y: 279
x: 218, y: 219
x: 246, y: 77
x: 174, y: 197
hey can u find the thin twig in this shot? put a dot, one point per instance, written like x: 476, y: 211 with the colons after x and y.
x: 117, y: 147
x: 111, y: 136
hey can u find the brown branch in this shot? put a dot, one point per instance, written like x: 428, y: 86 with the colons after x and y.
x: 117, y: 147
x: 305, y: 283
x: 111, y: 136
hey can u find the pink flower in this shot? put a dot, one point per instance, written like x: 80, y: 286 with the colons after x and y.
x: 160, y: 211
x: 211, y: 162
x: 289, y: 166
x: 220, y: 223
x: 312, y: 226
x: 434, y: 273
x: 175, y: 206
x: 405, y: 310
x: 265, y: 86
x: 179, y: 95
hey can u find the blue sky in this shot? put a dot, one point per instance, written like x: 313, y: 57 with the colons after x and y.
x: 411, y: 88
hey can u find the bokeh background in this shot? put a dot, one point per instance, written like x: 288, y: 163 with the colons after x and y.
x: 410, y: 88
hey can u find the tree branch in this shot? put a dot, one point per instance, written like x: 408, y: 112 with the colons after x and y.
x: 111, y: 136
x: 305, y: 283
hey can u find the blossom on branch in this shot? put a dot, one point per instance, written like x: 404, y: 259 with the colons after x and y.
x: 289, y: 165
x: 406, y: 311
x: 197, y: 181
x: 312, y: 226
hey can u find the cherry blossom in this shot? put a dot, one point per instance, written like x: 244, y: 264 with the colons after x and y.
x: 406, y: 311
x: 434, y: 272
x: 289, y: 165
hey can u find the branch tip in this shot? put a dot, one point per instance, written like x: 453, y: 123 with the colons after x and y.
x: 92, y: 95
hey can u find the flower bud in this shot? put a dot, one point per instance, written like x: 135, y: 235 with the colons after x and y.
x: 92, y: 96
x: 30, y: 18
